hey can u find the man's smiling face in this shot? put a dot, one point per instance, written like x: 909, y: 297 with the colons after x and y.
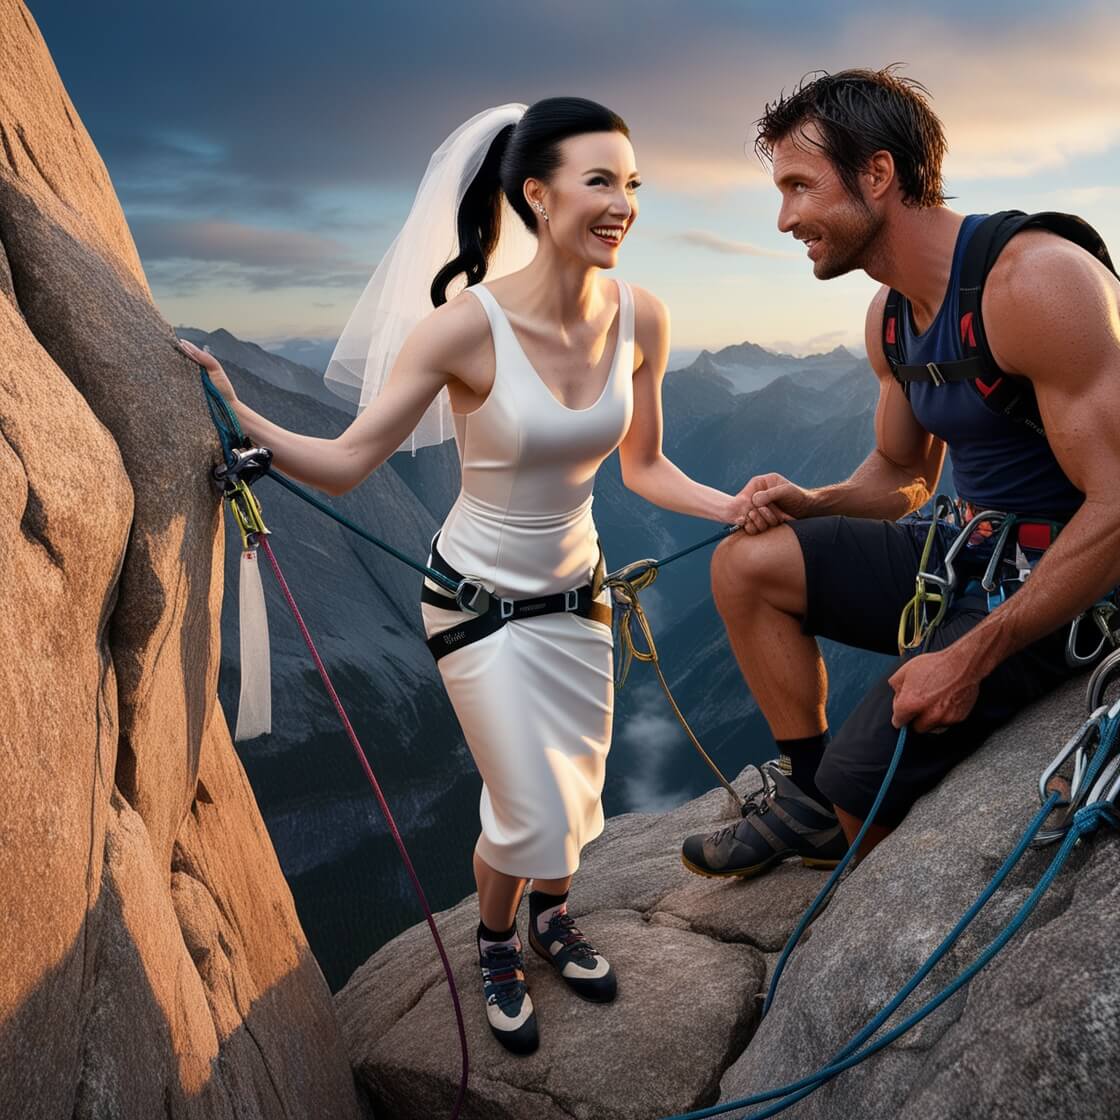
x: 818, y: 209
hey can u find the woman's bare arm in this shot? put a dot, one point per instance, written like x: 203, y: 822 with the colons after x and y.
x: 645, y: 469
x: 422, y: 368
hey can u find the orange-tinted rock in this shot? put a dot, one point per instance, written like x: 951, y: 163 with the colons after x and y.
x: 153, y: 963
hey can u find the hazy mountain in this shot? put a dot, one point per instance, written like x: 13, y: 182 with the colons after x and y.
x: 314, y: 353
x: 267, y: 365
x: 747, y: 367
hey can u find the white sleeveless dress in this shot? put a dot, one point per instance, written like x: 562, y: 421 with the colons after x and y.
x: 535, y: 700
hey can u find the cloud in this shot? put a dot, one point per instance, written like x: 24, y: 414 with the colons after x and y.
x: 182, y: 258
x: 719, y: 244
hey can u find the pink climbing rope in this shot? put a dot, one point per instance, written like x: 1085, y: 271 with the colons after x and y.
x: 262, y: 543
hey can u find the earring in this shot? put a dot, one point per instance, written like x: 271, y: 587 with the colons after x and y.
x: 540, y: 210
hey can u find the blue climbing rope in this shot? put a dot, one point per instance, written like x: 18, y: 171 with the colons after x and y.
x: 1085, y: 821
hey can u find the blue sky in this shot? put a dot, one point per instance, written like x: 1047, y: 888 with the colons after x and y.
x: 266, y: 154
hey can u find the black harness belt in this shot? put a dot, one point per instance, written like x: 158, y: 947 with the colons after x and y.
x: 488, y: 613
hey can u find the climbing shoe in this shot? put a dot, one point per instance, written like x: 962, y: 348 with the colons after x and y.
x: 779, y: 821
x: 508, y: 1006
x: 582, y: 967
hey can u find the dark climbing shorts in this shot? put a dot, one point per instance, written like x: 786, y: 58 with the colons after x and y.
x: 859, y: 575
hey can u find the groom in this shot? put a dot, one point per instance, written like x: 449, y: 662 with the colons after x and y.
x: 857, y: 160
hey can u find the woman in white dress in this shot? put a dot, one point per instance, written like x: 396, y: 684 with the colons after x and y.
x: 539, y: 374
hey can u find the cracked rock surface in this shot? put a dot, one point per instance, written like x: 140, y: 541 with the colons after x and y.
x: 1035, y: 1034
x: 152, y: 961
x: 690, y: 955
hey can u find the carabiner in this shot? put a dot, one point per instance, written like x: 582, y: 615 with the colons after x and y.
x: 1102, y: 615
x: 1102, y: 678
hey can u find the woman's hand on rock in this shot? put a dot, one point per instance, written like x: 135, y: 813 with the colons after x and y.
x: 213, y: 368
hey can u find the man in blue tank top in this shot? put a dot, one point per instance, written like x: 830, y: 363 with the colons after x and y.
x: 857, y: 160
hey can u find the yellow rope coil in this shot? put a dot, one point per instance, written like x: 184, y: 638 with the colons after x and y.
x: 625, y: 585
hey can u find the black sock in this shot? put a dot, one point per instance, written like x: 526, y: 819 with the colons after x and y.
x: 801, y: 757
x: 540, y: 901
x: 485, y: 933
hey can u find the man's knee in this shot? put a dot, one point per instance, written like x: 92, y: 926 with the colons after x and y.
x: 768, y: 567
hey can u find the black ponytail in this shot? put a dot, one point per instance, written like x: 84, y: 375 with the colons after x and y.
x: 478, y: 221
x: 528, y: 150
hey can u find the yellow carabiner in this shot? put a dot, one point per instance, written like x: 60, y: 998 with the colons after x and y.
x: 246, y: 512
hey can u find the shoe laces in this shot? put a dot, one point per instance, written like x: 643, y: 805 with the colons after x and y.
x: 757, y: 802
x: 501, y: 966
x: 571, y: 938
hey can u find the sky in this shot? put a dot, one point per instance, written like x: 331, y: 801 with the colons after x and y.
x: 266, y: 153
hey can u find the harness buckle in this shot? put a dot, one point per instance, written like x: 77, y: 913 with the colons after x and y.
x: 505, y: 608
x: 471, y: 596
x: 936, y: 374
x: 571, y: 600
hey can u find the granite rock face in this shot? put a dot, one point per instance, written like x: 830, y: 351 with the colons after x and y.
x: 153, y: 964
x: 1035, y: 1034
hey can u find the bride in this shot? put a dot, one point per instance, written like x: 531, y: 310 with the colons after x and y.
x: 539, y: 374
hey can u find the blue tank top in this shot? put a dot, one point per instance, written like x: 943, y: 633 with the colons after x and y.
x: 998, y: 463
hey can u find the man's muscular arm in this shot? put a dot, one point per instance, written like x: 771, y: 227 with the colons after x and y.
x: 1052, y: 313
x: 898, y: 476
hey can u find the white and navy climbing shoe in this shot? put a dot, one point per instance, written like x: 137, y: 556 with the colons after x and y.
x: 508, y: 1006
x: 582, y: 967
x: 779, y: 821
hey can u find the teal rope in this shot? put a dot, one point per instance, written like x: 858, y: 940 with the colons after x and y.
x: 215, y: 398
x: 834, y: 878
x: 1085, y: 821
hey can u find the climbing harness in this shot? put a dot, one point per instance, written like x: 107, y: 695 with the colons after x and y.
x: 1007, y: 569
x: 1091, y: 803
x: 490, y: 613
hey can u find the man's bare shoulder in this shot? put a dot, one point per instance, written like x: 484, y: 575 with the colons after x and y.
x: 873, y: 333
x: 1043, y: 286
x: 1037, y: 262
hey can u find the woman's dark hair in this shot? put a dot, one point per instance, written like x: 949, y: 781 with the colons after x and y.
x: 528, y: 150
x: 859, y: 113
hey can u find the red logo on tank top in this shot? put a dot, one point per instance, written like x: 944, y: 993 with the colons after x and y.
x: 967, y: 333
x: 986, y: 390
x: 890, y: 332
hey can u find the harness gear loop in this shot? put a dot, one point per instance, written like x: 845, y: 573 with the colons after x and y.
x: 626, y: 584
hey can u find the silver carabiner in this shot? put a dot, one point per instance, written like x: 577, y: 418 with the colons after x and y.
x: 1102, y: 678
x: 1077, y: 745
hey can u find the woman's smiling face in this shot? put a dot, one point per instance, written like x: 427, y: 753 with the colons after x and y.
x: 590, y: 199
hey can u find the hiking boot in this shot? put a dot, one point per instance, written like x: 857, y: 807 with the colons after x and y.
x: 508, y: 1006
x: 582, y: 967
x: 779, y: 821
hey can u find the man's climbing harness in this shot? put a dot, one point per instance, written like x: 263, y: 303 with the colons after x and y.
x: 1015, y: 544
x: 1093, y: 756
